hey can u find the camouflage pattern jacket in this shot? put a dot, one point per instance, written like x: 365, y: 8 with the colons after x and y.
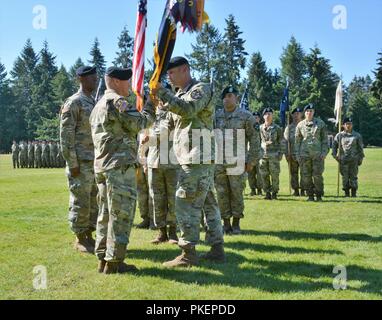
x: 351, y: 146
x: 194, y: 107
x: 240, y: 119
x: 311, y: 139
x: 75, y: 133
x: 271, y: 141
x: 115, y: 126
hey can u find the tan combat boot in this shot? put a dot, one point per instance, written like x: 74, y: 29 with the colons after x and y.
x: 216, y: 254
x: 119, y: 267
x: 227, y: 227
x: 82, y: 245
x: 173, y: 237
x: 188, y: 258
x: 162, y: 236
x: 236, y: 226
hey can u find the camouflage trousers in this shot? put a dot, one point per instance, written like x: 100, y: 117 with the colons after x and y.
x: 23, y: 161
x: 45, y: 161
x: 254, y: 178
x: 15, y: 161
x: 83, y: 209
x: 144, y: 200
x: 31, y: 161
x: 312, y: 179
x: 37, y: 162
x: 230, y: 193
x: 162, y: 185
x: 194, y: 194
x: 117, y: 197
x: 349, y: 173
x: 270, y: 174
x: 294, y: 167
x: 53, y: 162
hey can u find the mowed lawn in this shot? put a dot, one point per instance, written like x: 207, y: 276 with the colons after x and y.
x: 288, y: 250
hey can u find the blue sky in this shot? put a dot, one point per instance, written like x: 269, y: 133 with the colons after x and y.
x: 267, y: 27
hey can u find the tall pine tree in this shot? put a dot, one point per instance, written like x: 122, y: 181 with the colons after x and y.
x: 97, y: 58
x: 63, y: 86
x: 377, y: 85
x: 124, y: 57
x: 234, y: 54
x: 293, y: 68
x: 24, y: 78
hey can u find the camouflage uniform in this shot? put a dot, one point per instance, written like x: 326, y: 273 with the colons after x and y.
x: 143, y: 194
x: 195, y: 181
x: 59, y: 158
x: 30, y: 155
x: 45, y: 155
x: 254, y: 177
x: 53, y: 154
x: 23, y: 155
x: 289, y: 136
x: 350, y: 155
x: 163, y: 177
x: 78, y: 151
x: 37, y: 155
x: 230, y: 187
x: 311, y: 147
x: 114, y: 130
x: 271, y: 153
x: 15, y: 155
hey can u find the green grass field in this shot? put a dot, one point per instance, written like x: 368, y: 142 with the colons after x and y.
x: 288, y: 250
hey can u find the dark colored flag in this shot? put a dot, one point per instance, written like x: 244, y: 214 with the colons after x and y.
x: 244, y: 104
x: 284, y: 106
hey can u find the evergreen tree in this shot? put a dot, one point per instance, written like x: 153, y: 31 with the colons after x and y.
x: 48, y: 129
x: 233, y: 52
x: 62, y: 86
x: 124, y: 57
x: 24, y: 78
x: 43, y: 98
x: 259, y: 83
x: 377, y: 85
x: 293, y: 68
x: 97, y: 58
x: 321, y: 83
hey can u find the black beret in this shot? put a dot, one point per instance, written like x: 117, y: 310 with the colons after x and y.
x: 86, y: 71
x: 296, y: 110
x: 267, y: 110
x: 119, y: 73
x: 310, y: 106
x: 176, y: 62
x: 256, y: 114
x: 348, y: 120
x: 229, y: 89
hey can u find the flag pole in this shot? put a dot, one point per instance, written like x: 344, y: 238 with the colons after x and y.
x: 339, y: 153
x: 290, y: 157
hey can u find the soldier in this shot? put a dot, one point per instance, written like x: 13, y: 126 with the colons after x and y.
x: 15, y: 155
x: 348, y: 151
x: 23, y: 154
x: 192, y: 102
x: 115, y: 126
x: 60, y: 159
x: 44, y: 154
x: 37, y: 155
x: 30, y: 154
x: 78, y: 151
x: 53, y: 154
x: 311, y: 148
x: 290, y: 155
x: 254, y: 177
x: 230, y: 187
x: 163, y: 177
x: 271, y: 155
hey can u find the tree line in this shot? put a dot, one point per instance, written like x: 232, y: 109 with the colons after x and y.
x: 32, y: 93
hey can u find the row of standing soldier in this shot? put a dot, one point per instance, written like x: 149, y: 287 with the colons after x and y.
x: 99, y: 144
x: 37, y: 154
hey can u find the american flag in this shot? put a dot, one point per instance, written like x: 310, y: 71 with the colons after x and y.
x: 139, y: 53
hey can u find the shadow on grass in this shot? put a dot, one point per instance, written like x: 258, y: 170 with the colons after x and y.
x: 241, y: 245
x: 297, y: 235
x: 258, y: 274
